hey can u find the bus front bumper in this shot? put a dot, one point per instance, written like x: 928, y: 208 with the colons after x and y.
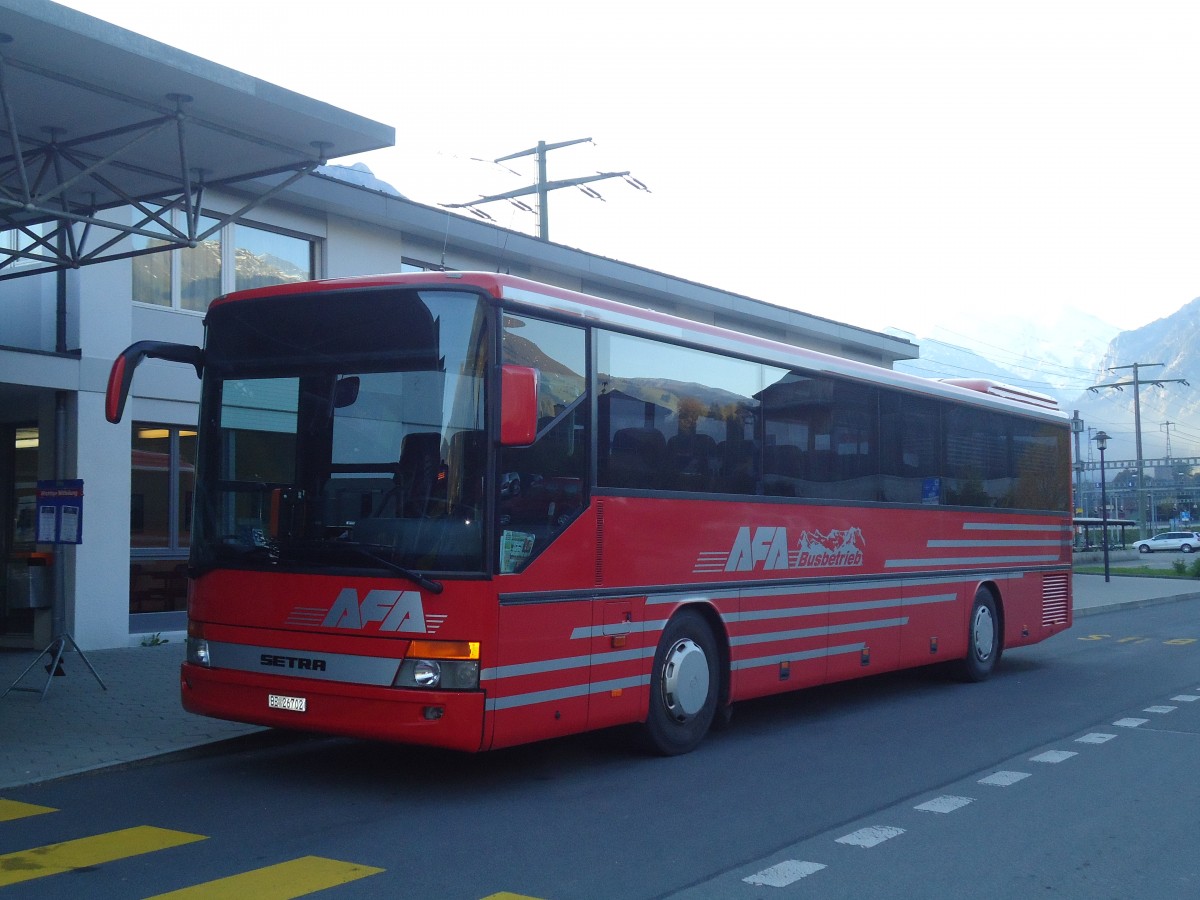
x: 450, y: 719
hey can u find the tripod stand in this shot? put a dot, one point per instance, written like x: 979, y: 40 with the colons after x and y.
x: 55, y: 650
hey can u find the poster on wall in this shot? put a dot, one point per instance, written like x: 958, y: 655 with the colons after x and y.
x: 60, y: 511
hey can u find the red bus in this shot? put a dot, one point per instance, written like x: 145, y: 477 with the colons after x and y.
x: 469, y: 510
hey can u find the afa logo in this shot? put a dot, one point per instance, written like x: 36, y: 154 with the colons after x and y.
x: 398, y: 611
x: 767, y: 548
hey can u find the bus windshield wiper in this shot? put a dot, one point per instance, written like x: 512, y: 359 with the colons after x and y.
x: 367, y: 551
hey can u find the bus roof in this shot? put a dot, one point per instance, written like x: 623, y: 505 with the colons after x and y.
x: 539, y: 297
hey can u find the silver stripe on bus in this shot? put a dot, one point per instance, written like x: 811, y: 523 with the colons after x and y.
x: 807, y: 587
x: 796, y: 657
x: 1056, y: 542
x: 565, y: 693
x: 968, y: 561
x: 990, y: 526
x: 620, y: 684
x: 575, y: 690
x: 802, y: 633
x: 594, y: 631
x: 517, y: 670
x: 290, y: 663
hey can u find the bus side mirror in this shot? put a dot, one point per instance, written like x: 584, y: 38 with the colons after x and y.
x: 120, y: 377
x: 518, y: 405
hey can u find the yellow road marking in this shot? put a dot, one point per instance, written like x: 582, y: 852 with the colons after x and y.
x: 12, y: 809
x: 53, y: 859
x: 279, y: 882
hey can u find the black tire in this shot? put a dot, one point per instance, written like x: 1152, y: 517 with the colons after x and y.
x: 684, y: 685
x: 1186, y: 548
x: 984, y: 638
x: 1144, y: 549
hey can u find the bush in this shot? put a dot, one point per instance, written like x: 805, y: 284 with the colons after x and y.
x: 1179, y: 566
x: 1194, y: 568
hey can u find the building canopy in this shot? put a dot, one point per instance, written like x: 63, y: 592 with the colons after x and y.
x: 94, y: 117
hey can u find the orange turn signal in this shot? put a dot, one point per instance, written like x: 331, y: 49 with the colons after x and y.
x: 443, y: 650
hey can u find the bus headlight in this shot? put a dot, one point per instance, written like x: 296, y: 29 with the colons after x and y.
x: 445, y: 665
x: 427, y: 673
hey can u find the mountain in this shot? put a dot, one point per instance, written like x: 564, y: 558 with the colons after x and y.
x: 1065, y: 355
x: 1167, y: 352
x: 943, y: 360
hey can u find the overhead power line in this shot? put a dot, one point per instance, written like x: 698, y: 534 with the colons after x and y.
x: 543, y: 187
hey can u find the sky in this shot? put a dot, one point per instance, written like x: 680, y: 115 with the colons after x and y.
x: 891, y: 165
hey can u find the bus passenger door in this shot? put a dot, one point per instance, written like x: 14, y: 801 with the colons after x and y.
x: 539, y: 686
x: 617, y: 680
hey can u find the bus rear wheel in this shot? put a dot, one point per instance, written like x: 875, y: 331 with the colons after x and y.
x: 984, y: 644
x: 684, y: 685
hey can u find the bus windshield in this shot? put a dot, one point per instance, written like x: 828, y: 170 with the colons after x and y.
x: 344, y: 431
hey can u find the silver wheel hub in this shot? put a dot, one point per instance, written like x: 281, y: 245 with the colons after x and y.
x: 685, y: 680
x: 983, y: 631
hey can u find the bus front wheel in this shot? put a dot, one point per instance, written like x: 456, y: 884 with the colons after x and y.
x: 684, y: 685
x: 984, y: 643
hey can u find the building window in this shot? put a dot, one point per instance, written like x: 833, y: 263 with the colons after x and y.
x: 267, y: 257
x: 151, y: 272
x: 236, y: 257
x: 200, y: 270
x: 163, y: 462
x: 24, y: 245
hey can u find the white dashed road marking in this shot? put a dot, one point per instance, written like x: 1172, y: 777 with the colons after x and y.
x: 1004, y: 779
x: 871, y: 836
x: 782, y: 874
x: 1130, y: 723
x: 1186, y: 698
x: 1053, y: 756
x: 1160, y: 709
x: 944, y: 804
x: 1095, y: 737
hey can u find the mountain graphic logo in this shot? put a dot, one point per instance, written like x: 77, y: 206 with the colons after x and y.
x: 837, y: 548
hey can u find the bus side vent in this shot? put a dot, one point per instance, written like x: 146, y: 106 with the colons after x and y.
x: 599, y: 543
x: 1054, y: 599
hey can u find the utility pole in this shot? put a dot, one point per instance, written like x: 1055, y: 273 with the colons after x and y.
x: 1076, y: 431
x: 1174, y: 492
x: 1136, y: 382
x: 543, y: 187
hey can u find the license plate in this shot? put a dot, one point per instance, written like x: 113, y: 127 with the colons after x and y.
x: 294, y: 704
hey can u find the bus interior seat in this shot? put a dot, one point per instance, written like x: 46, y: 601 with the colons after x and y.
x: 636, y: 457
x: 416, y: 474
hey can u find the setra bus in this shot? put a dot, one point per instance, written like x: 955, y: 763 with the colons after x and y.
x: 468, y: 510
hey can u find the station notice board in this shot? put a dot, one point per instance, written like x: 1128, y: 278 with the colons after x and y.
x: 60, y: 511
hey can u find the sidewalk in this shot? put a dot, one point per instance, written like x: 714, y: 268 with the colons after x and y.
x: 79, y: 726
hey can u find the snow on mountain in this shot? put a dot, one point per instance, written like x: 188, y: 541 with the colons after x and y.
x: 1066, y: 353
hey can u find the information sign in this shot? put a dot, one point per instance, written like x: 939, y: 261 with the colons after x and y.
x: 60, y: 511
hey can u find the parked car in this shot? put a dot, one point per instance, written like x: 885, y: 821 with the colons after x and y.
x: 1187, y: 541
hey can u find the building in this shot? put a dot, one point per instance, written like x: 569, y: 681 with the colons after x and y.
x: 149, y: 181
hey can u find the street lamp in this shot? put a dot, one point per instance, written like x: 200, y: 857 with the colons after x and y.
x: 1101, y: 440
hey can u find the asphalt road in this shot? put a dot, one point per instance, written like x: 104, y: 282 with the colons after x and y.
x: 824, y: 793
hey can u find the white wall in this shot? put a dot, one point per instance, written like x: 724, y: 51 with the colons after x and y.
x: 99, y: 579
x: 353, y: 248
x: 97, y: 571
